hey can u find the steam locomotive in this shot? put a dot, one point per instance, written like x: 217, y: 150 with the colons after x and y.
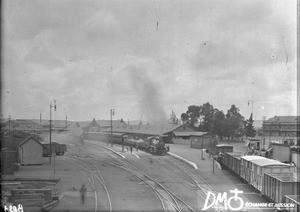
x: 153, y: 144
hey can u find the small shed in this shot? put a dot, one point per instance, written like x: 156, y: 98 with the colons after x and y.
x: 202, y: 140
x: 30, y: 152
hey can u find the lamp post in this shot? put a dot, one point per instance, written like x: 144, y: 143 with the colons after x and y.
x: 249, y: 101
x: 10, y: 144
x: 112, y: 112
x: 51, y: 106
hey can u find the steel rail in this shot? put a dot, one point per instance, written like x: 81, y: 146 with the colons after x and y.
x: 205, y: 188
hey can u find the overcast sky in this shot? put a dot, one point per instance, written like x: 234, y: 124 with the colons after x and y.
x: 147, y: 58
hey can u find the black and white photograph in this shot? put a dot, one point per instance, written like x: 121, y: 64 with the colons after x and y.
x: 150, y: 106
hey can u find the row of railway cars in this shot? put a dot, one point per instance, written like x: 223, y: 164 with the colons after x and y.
x: 152, y: 144
x: 274, y: 180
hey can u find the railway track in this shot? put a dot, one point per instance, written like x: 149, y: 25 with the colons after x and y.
x: 92, y: 172
x: 198, y: 181
x: 168, y: 202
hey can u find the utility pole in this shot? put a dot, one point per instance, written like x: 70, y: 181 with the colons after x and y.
x: 249, y: 101
x: 51, y: 106
x: 264, y: 139
x: 9, y: 140
x: 112, y: 112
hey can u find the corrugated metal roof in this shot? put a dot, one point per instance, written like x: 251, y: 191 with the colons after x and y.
x: 262, y: 161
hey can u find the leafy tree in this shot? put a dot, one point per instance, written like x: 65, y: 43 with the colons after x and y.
x: 206, y: 117
x: 249, y: 128
x: 192, y: 116
x: 184, y: 118
x: 219, y: 124
x: 234, y: 123
x: 173, y: 118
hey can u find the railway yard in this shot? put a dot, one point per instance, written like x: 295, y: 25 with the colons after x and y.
x: 119, y: 180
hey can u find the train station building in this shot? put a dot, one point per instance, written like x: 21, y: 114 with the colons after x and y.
x: 282, y: 129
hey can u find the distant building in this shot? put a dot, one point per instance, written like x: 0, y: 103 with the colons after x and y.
x: 282, y: 129
x: 143, y: 131
x: 22, y: 125
x: 30, y: 152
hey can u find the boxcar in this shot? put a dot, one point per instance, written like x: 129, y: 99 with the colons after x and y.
x: 232, y: 160
x: 254, y: 168
x: 293, y: 199
x: 277, y: 185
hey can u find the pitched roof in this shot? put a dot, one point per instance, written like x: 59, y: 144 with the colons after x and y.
x: 158, y: 129
x: 23, y: 124
x: 283, y: 119
x: 27, y: 139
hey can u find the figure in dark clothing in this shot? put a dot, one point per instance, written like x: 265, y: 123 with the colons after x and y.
x: 82, y: 193
x: 131, y: 149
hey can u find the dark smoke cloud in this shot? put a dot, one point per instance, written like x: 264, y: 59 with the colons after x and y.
x: 147, y: 93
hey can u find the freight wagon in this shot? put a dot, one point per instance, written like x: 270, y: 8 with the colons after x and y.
x: 277, y: 185
x: 56, y: 148
x: 274, y: 180
x: 293, y: 199
x: 232, y: 161
x: 254, y: 167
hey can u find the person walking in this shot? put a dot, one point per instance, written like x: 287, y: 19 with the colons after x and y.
x: 82, y: 193
x: 130, y: 149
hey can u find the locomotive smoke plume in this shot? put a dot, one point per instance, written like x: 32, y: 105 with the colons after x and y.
x: 147, y: 95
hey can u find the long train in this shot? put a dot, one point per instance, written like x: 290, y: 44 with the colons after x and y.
x: 274, y: 180
x: 152, y: 144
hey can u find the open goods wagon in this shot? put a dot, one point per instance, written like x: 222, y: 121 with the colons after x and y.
x: 277, y: 185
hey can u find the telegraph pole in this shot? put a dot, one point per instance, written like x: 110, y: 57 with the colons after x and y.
x: 249, y: 101
x: 9, y: 140
x: 112, y: 112
x: 51, y: 106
